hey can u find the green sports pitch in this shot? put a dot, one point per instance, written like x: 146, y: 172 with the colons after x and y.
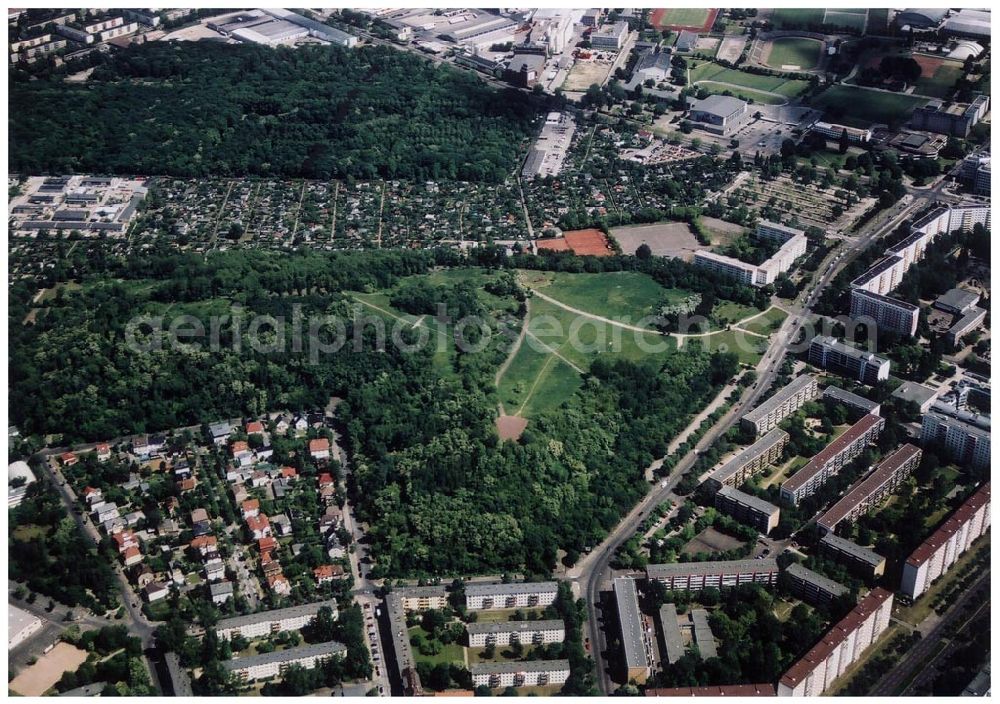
x: 794, y: 51
x: 679, y: 17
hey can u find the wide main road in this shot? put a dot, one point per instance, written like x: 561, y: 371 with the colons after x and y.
x: 592, y: 572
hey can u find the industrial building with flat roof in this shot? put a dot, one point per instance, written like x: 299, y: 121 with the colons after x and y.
x: 851, y: 400
x: 273, y: 664
x: 751, y: 460
x: 841, y: 646
x: 265, y: 623
x: 695, y: 576
x: 530, y: 673
x: 610, y: 36
x: 513, y: 595
x: 864, y: 561
x: 633, y: 634
x: 831, y: 459
x: 782, y: 404
x: 811, y: 586
x: 946, y: 544
x: 748, y: 509
x: 830, y: 353
x: 873, y: 489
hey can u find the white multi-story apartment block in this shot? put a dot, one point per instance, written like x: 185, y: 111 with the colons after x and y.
x: 751, y: 460
x: 747, y: 508
x: 861, y: 560
x: 963, y: 433
x: 533, y: 673
x: 873, y: 489
x: 831, y: 459
x: 423, y: 598
x: 267, y: 622
x: 777, y: 232
x: 755, y: 274
x: 869, y: 291
x: 830, y: 353
x: 782, y: 404
x: 943, y: 548
x: 811, y: 586
x: 839, y: 648
x: 264, y: 665
x: 510, y: 596
x: 695, y: 576
x: 509, y: 632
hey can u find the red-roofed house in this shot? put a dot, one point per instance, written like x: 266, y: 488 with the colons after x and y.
x: 125, y: 539
x: 132, y: 556
x: 325, y: 479
x: 325, y: 574
x: 250, y: 508
x: 187, y: 484
x: 205, y: 544
x: 259, y: 526
x: 289, y: 473
x: 267, y: 544
x: 103, y: 451
x: 92, y: 495
x: 279, y: 584
x: 68, y: 459
x: 319, y: 449
x: 255, y: 428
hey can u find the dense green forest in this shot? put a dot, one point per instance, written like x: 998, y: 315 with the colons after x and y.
x: 441, y: 492
x: 319, y: 112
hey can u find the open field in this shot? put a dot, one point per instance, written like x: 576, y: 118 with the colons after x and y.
x: 584, y: 74
x: 708, y: 71
x: 721, y: 231
x: 730, y: 48
x: 787, y: 17
x: 751, y: 96
x: 665, y: 239
x: 748, y: 348
x: 938, y: 81
x: 625, y: 296
x: 700, y: 18
x: 799, y: 52
x: 855, y: 105
x: 451, y: 653
x: 711, y: 540
x: 560, y: 345
x: 766, y: 322
x: 851, y: 19
x: 43, y: 675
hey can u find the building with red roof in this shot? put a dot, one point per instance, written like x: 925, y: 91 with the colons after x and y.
x: 259, y: 526
x: 68, y: 459
x: 839, y: 647
x: 255, y: 428
x: 267, y: 544
x: 941, y: 550
x: 319, y: 449
x: 250, y: 508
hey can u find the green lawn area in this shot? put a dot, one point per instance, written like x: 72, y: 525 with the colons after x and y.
x: 854, y: 105
x: 941, y: 83
x: 28, y: 531
x: 732, y: 312
x: 794, y: 51
x: 742, y: 93
x: 747, y: 347
x: 451, y: 653
x: 852, y: 19
x: 624, y: 296
x: 537, y: 379
x: 766, y: 322
x: 794, y: 17
x: 685, y: 16
x: 708, y: 71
